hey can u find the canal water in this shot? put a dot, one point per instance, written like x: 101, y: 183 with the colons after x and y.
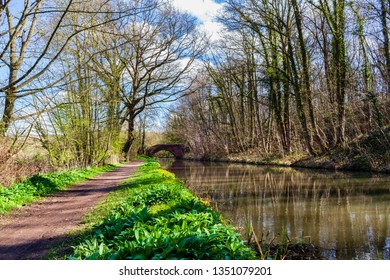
x: 346, y: 214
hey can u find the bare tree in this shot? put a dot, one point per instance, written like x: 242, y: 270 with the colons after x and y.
x: 316, y: 69
x: 34, y: 38
x: 159, y: 50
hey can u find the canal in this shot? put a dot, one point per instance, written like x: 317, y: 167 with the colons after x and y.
x: 345, y: 214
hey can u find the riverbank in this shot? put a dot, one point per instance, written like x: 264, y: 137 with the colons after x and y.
x: 284, y: 205
x: 153, y: 216
x: 369, y: 153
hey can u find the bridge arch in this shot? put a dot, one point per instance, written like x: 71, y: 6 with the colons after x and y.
x: 178, y: 150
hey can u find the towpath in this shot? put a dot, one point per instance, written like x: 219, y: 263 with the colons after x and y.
x: 31, y: 232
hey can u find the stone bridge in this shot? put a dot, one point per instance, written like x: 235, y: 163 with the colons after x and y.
x: 178, y: 150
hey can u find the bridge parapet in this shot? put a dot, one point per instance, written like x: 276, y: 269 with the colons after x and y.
x: 178, y: 150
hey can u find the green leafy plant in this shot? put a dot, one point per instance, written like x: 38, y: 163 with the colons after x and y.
x: 158, y: 218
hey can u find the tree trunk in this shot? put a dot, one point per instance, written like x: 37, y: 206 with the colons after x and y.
x: 339, y: 65
x: 386, y: 42
x: 306, y: 77
x: 127, y: 149
x: 143, y: 134
x: 8, y: 113
x: 286, y: 107
x: 298, y: 99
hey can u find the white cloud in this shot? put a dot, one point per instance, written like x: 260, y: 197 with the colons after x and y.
x: 205, y: 10
x: 212, y: 28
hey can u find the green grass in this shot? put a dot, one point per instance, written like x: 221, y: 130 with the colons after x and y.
x: 42, y: 185
x: 153, y: 216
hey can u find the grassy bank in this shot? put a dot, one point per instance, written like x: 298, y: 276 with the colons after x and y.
x: 42, y: 185
x: 153, y: 216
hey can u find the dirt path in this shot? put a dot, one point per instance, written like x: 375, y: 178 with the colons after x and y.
x: 30, y: 233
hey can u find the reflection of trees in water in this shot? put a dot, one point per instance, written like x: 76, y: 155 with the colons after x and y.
x: 347, y: 215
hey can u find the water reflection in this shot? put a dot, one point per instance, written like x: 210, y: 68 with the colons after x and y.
x: 346, y: 214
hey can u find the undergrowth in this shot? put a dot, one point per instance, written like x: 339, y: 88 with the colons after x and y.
x: 153, y: 216
x: 42, y: 185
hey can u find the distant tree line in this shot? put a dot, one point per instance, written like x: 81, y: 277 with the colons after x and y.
x: 290, y: 77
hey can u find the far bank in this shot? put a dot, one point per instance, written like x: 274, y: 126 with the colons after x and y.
x: 369, y: 153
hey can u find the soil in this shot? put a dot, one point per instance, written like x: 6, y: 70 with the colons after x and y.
x: 30, y: 232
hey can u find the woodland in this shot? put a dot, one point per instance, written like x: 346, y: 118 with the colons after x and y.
x: 83, y: 83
